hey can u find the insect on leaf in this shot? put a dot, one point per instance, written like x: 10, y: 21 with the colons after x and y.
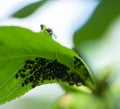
x: 29, y: 59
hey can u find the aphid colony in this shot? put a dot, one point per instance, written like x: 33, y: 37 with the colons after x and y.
x: 38, y: 70
x: 78, y: 65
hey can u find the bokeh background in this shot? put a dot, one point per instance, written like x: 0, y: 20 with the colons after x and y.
x: 64, y: 17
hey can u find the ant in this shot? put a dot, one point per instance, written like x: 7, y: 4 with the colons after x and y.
x: 49, y: 30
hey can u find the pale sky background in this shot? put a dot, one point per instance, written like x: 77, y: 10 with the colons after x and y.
x: 60, y: 15
x: 64, y: 18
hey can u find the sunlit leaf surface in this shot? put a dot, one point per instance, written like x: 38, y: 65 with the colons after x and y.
x: 29, y: 59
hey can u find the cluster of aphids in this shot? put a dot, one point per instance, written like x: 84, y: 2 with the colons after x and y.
x: 78, y: 64
x: 38, y: 70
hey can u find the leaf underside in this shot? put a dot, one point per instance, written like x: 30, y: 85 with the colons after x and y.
x: 29, y: 59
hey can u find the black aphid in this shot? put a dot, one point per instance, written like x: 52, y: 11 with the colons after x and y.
x: 31, y: 78
x: 16, y: 76
x: 37, y: 58
x: 19, y: 71
x: 33, y: 86
x: 22, y: 84
x: 26, y: 81
x: 29, y: 62
x: 23, y: 70
x: 22, y: 75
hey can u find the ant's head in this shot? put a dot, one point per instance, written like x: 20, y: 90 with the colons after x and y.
x: 43, y: 27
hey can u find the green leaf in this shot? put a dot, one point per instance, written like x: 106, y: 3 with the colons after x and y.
x: 81, y: 101
x: 104, y: 14
x: 29, y: 9
x: 29, y: 59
